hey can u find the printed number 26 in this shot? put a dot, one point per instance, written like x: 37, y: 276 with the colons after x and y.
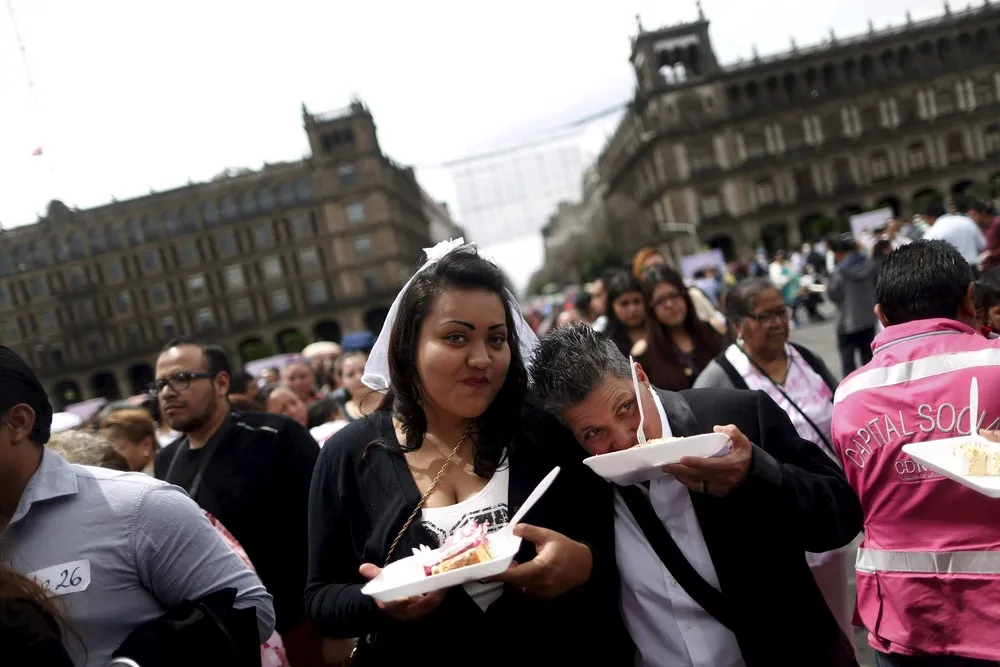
x: 69, y: 579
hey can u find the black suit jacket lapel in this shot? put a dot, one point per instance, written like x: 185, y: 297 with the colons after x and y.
x: 682, y: 420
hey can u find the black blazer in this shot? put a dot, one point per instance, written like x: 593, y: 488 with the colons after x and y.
x: 795, y: 499
x: 362, y: 494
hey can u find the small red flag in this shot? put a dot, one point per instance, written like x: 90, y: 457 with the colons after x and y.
x: 37, y: 151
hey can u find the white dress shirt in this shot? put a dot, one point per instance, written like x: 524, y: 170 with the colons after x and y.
x: 668, y: 627
x: 960, y: 231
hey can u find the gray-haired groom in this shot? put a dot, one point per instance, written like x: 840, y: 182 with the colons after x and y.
x: 711, y: 557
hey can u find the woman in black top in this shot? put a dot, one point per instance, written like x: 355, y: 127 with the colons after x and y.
x: 455, y: 408
x: 678, y: 345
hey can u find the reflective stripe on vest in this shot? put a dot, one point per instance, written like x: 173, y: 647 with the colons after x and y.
x: 917, y: 369
x: 924, y: 562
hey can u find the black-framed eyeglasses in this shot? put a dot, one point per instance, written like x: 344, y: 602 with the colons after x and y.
x: 778, y: 315
x: 178, y: 382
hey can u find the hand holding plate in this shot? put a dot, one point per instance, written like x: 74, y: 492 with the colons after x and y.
x: 407, y: 609
x: 716, y: 476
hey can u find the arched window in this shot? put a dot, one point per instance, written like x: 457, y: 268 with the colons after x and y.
x: 134, y: 231
x: 172, y: 223
x: 867, y: 69
x: 210, y: 212
x: 286, y: 197
x: 97, y: 239
x: 905, y: 59
x: 76, y: 249
x: 791, y: 84
x: 944, y: 50
x: 302, y: 191
x: 229, y: 210
x: 59, y: 249
x: 888, y: 61
x: 38, y: 255
x: 113, y: 237
x: 189, y: 219
x: 248, y: 204
x: 265, y: 199
x: 151, y: 228
x: 829, y: 76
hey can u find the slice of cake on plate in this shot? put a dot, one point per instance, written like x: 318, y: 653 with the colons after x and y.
x: 466, y: 546
x: 978, y: 458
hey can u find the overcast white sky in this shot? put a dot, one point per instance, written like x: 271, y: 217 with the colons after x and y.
x: 139, y: 95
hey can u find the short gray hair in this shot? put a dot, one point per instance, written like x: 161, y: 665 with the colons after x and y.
x: 87, y: 449
x: 570, y: 362
x: 740, y: 298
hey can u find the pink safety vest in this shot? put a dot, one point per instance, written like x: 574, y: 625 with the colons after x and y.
x: 928, y: 571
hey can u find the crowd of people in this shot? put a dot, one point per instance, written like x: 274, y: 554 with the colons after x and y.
x: 233, y: 520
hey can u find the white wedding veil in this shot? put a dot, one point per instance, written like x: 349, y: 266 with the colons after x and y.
x: 377, y: 369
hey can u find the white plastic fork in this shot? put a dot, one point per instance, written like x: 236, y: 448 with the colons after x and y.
x: 974, y: 409
x: 638, y: 398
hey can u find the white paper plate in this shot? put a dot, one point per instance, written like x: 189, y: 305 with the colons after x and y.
x: 939, y: 456
x: 641, y: 464
x: 405, y: 578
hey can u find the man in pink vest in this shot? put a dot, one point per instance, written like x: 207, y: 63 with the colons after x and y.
x: 928, y: 571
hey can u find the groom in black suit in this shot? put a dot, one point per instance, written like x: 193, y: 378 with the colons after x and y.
x: 711, y: 554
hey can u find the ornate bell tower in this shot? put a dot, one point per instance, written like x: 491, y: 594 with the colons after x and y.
x: 672, y: 55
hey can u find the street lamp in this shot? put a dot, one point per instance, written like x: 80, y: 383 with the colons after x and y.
x: 681, y: 228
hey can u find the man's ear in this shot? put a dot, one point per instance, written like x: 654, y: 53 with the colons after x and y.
x: 21, y: 421
x: 222, y: 380
x: 881, y: 316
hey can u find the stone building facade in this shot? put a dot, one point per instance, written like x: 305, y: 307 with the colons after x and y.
x: 779, y: 150
x: 259, y: 262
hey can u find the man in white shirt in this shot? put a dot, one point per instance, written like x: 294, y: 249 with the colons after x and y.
x: 711, y: 552
x: 958, y: 230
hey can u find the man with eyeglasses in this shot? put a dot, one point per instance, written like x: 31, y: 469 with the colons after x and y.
x: 250, y: 471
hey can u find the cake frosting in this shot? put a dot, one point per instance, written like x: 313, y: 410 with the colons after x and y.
x: 466, y: 546
x: 979, y: 458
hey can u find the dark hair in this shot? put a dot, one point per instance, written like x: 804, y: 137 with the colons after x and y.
x: 621, y: 282
x: 494, y: 430
x: 881, y: 248
x: 16, y: 587
x: 741, y: 297
x: 243, y: 403
x: 215, y: 358
x: 265, y: 392
x: 923, y: 280
x: 662, y: 359
x: 582, y: 302
x: 570, y: 362
x: 239, y: 382
x: 321, y: 411
x: 845, y: 243
x: 19, y: 384
x: 934, y: 209
x: 986, y: 293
